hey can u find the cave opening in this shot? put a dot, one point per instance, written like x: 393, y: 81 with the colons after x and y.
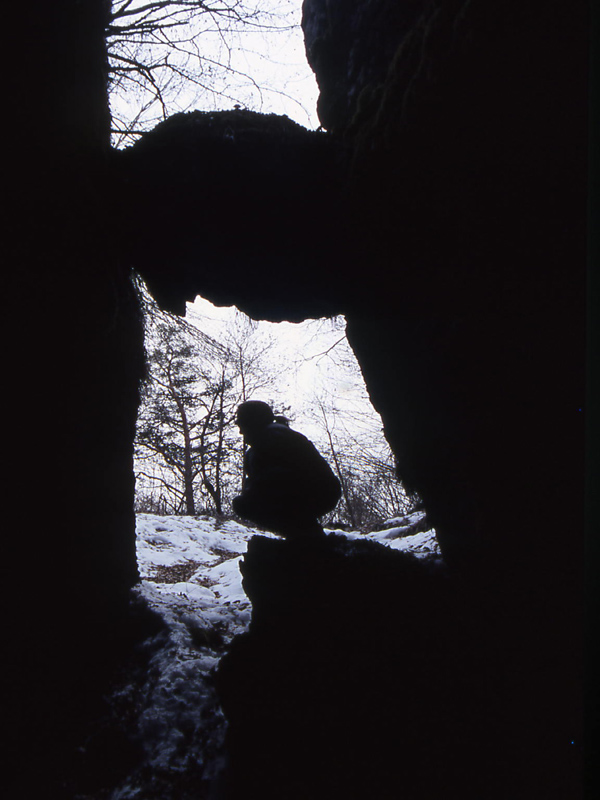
x: 188, y: 453
x: 468, y: 180
x: 199, y: 572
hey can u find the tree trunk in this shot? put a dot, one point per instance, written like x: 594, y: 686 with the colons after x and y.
x: 338, y: 469
x: 219, y: 455
x: 188, y: 475
x: 188, y: 466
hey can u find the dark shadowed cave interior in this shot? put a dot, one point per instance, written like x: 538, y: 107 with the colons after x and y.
x: 442, y: 210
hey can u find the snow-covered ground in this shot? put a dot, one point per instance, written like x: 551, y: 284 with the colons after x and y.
x: 193, y: 562
x: 190, y: 576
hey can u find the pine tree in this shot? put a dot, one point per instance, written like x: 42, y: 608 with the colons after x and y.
x: 169, y: 419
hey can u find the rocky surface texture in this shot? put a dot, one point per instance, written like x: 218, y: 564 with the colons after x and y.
x: 233, y: 205
x: 350, y: 46
x: 457, y: 160
x: 368, y: 672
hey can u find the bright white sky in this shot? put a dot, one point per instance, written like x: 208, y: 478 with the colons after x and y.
x: 304, y: 368
x: 278, y: 61
x: 268, y: 72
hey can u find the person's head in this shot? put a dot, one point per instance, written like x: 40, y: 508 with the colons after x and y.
x: 252, y: 416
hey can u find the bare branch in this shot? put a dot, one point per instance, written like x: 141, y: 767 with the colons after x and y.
x: 174, y: 55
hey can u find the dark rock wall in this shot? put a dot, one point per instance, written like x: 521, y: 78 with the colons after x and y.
x: 73, y: 358
x: 336, y: 691
x: 469, y: 187
x: 76, y: 355
x: 350, y: 44
x: 366, y: 673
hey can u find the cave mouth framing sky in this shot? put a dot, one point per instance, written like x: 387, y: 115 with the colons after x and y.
x: 276, y: 62
x: 313, y: 364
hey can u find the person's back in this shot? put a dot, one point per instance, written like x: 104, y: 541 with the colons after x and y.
x: 289, y: 484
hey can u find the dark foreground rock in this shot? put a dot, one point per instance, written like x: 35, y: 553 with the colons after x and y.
x: 369, y: 673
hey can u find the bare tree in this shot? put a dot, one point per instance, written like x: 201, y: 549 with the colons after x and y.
x: 250, y: 366
x: 364, y: 464
x: 187, y: 449
x: 169, y: 55
x: 168, y: 422
x: 240, y: 363
x: 351, y: 433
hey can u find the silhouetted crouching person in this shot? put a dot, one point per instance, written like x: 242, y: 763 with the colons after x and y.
x: 289, y: 485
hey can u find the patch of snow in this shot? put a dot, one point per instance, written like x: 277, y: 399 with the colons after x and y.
x: 228, y: 580
x: 407, y: 520
x: 390, y: 533
x: 422, y: 545
x: 180, y: 725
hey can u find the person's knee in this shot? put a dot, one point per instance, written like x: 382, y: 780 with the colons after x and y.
x: 244, y: 507
x: 237, y: 505
x: 252, y: 509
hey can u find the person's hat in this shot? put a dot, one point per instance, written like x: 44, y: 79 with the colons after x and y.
x: 254, y: 412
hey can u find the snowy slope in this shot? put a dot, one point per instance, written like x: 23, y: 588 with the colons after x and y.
x: 191, y: 578
x: 191, y: 564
